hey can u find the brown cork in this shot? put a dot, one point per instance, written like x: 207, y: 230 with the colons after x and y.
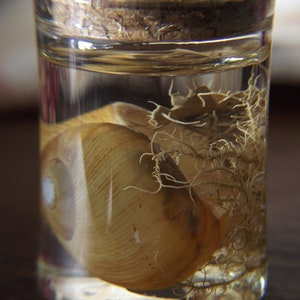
x: 160, y: 20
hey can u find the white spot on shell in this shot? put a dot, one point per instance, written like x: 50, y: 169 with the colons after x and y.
x: 218, y: 211
x: 48, y: 191
x: 137, y: 237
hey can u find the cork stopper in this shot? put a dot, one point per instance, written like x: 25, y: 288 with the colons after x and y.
x: 158, y: 20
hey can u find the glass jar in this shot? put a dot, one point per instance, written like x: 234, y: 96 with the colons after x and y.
x: 154, y: 118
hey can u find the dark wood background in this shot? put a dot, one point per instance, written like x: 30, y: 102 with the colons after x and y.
x: 19, y: 199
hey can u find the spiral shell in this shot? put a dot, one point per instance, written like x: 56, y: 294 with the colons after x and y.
x: 121, y: 225
x: 121, y: 113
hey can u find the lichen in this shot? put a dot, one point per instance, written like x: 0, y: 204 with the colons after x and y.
x: 220, y: 148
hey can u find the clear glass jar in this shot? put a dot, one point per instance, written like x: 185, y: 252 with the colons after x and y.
x: 154, y: 118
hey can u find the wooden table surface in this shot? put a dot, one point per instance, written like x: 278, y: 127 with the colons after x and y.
x: 19, y: 201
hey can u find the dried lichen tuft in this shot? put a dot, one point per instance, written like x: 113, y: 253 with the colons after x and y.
x: 218, y: 141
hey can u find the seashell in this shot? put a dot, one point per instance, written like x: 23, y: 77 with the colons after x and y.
x: 121, y: 113
x: 108, y: 211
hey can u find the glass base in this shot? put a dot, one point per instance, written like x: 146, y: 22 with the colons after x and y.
x: 75, y: 284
